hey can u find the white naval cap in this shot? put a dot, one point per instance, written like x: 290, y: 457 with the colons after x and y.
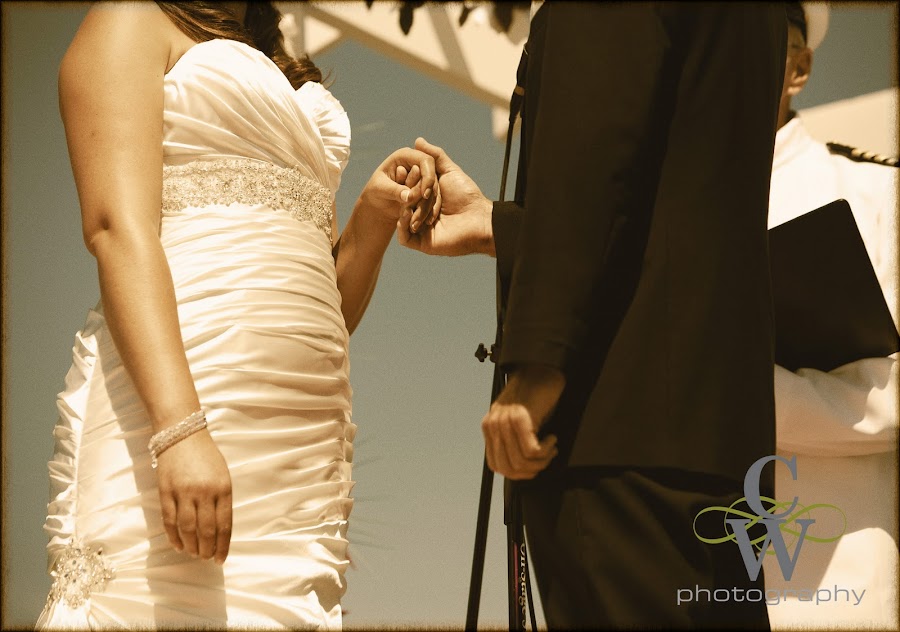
x: 816, y: 22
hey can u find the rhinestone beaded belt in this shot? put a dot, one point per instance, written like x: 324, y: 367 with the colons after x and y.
x: 229, y: 180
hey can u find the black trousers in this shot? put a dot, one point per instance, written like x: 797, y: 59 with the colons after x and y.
x: 612, y: 548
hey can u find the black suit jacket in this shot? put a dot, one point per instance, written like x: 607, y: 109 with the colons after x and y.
x: 636, y: 251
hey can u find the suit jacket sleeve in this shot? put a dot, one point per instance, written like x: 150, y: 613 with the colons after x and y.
x: 599, y: 126
x: 506, y: 222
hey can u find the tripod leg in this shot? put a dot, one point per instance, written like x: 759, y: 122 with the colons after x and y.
x: 517, y: 562
x: 528, y: 588
x: 484, y: 501
x: 481, y: 530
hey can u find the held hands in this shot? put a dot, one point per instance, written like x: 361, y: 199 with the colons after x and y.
x: 195, y: 496
x: 405, y: 182
x: 510, y: 428
x: 464, y: 224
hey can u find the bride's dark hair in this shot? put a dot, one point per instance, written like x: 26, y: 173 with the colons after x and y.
x: 202, y: 21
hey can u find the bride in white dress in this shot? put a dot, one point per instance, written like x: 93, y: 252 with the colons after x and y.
x: 206, y: 181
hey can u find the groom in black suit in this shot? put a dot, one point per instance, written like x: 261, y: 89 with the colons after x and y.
x: 638, y: 337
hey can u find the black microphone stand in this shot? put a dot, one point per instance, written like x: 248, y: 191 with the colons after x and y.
x: 519, y: 584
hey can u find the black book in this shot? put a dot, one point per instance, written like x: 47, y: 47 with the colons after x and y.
x: 829, y: 307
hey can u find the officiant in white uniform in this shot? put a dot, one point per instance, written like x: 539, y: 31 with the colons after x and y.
x: 841, y: 425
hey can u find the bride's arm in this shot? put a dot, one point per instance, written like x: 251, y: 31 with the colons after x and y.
x: 111, y: 101
x: 359, y: 251
x: 357, y: 256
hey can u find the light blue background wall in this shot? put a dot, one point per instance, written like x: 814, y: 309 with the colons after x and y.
x: 419, y: 393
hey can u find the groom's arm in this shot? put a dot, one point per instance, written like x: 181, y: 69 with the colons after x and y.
x: 593, y: 154
x: 586, y: 172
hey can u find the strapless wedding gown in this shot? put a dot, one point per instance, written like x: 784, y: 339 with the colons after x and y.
x: 251, y: 167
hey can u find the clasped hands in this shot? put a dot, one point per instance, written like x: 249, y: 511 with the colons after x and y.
x: 406, y: 190
x: 458, y: 222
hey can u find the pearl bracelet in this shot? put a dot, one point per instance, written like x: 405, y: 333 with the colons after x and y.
x: 165, y: 439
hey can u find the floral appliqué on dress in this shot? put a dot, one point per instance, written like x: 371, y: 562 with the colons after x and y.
x: 79, y: 571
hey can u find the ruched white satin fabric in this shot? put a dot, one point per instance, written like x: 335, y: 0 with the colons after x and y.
x: 265, y: 339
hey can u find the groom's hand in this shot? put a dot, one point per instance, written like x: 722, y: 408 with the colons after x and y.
x: 510, y: 428
x: 464, y: 225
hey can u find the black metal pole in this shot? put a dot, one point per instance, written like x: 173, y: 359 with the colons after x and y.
x: 516, y: 559
x: 512, y: 558
x: 481, y: 531
x: 528, y: 588
x: 499, y: 381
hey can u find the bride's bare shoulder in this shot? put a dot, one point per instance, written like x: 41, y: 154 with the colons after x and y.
x: 127, y: 31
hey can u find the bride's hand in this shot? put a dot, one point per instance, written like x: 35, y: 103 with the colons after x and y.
x: 195, y: 496
x: 418, y: 218
x: 405, y: 180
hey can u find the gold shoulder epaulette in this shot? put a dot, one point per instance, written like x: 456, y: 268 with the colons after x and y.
x: 860, y: 155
